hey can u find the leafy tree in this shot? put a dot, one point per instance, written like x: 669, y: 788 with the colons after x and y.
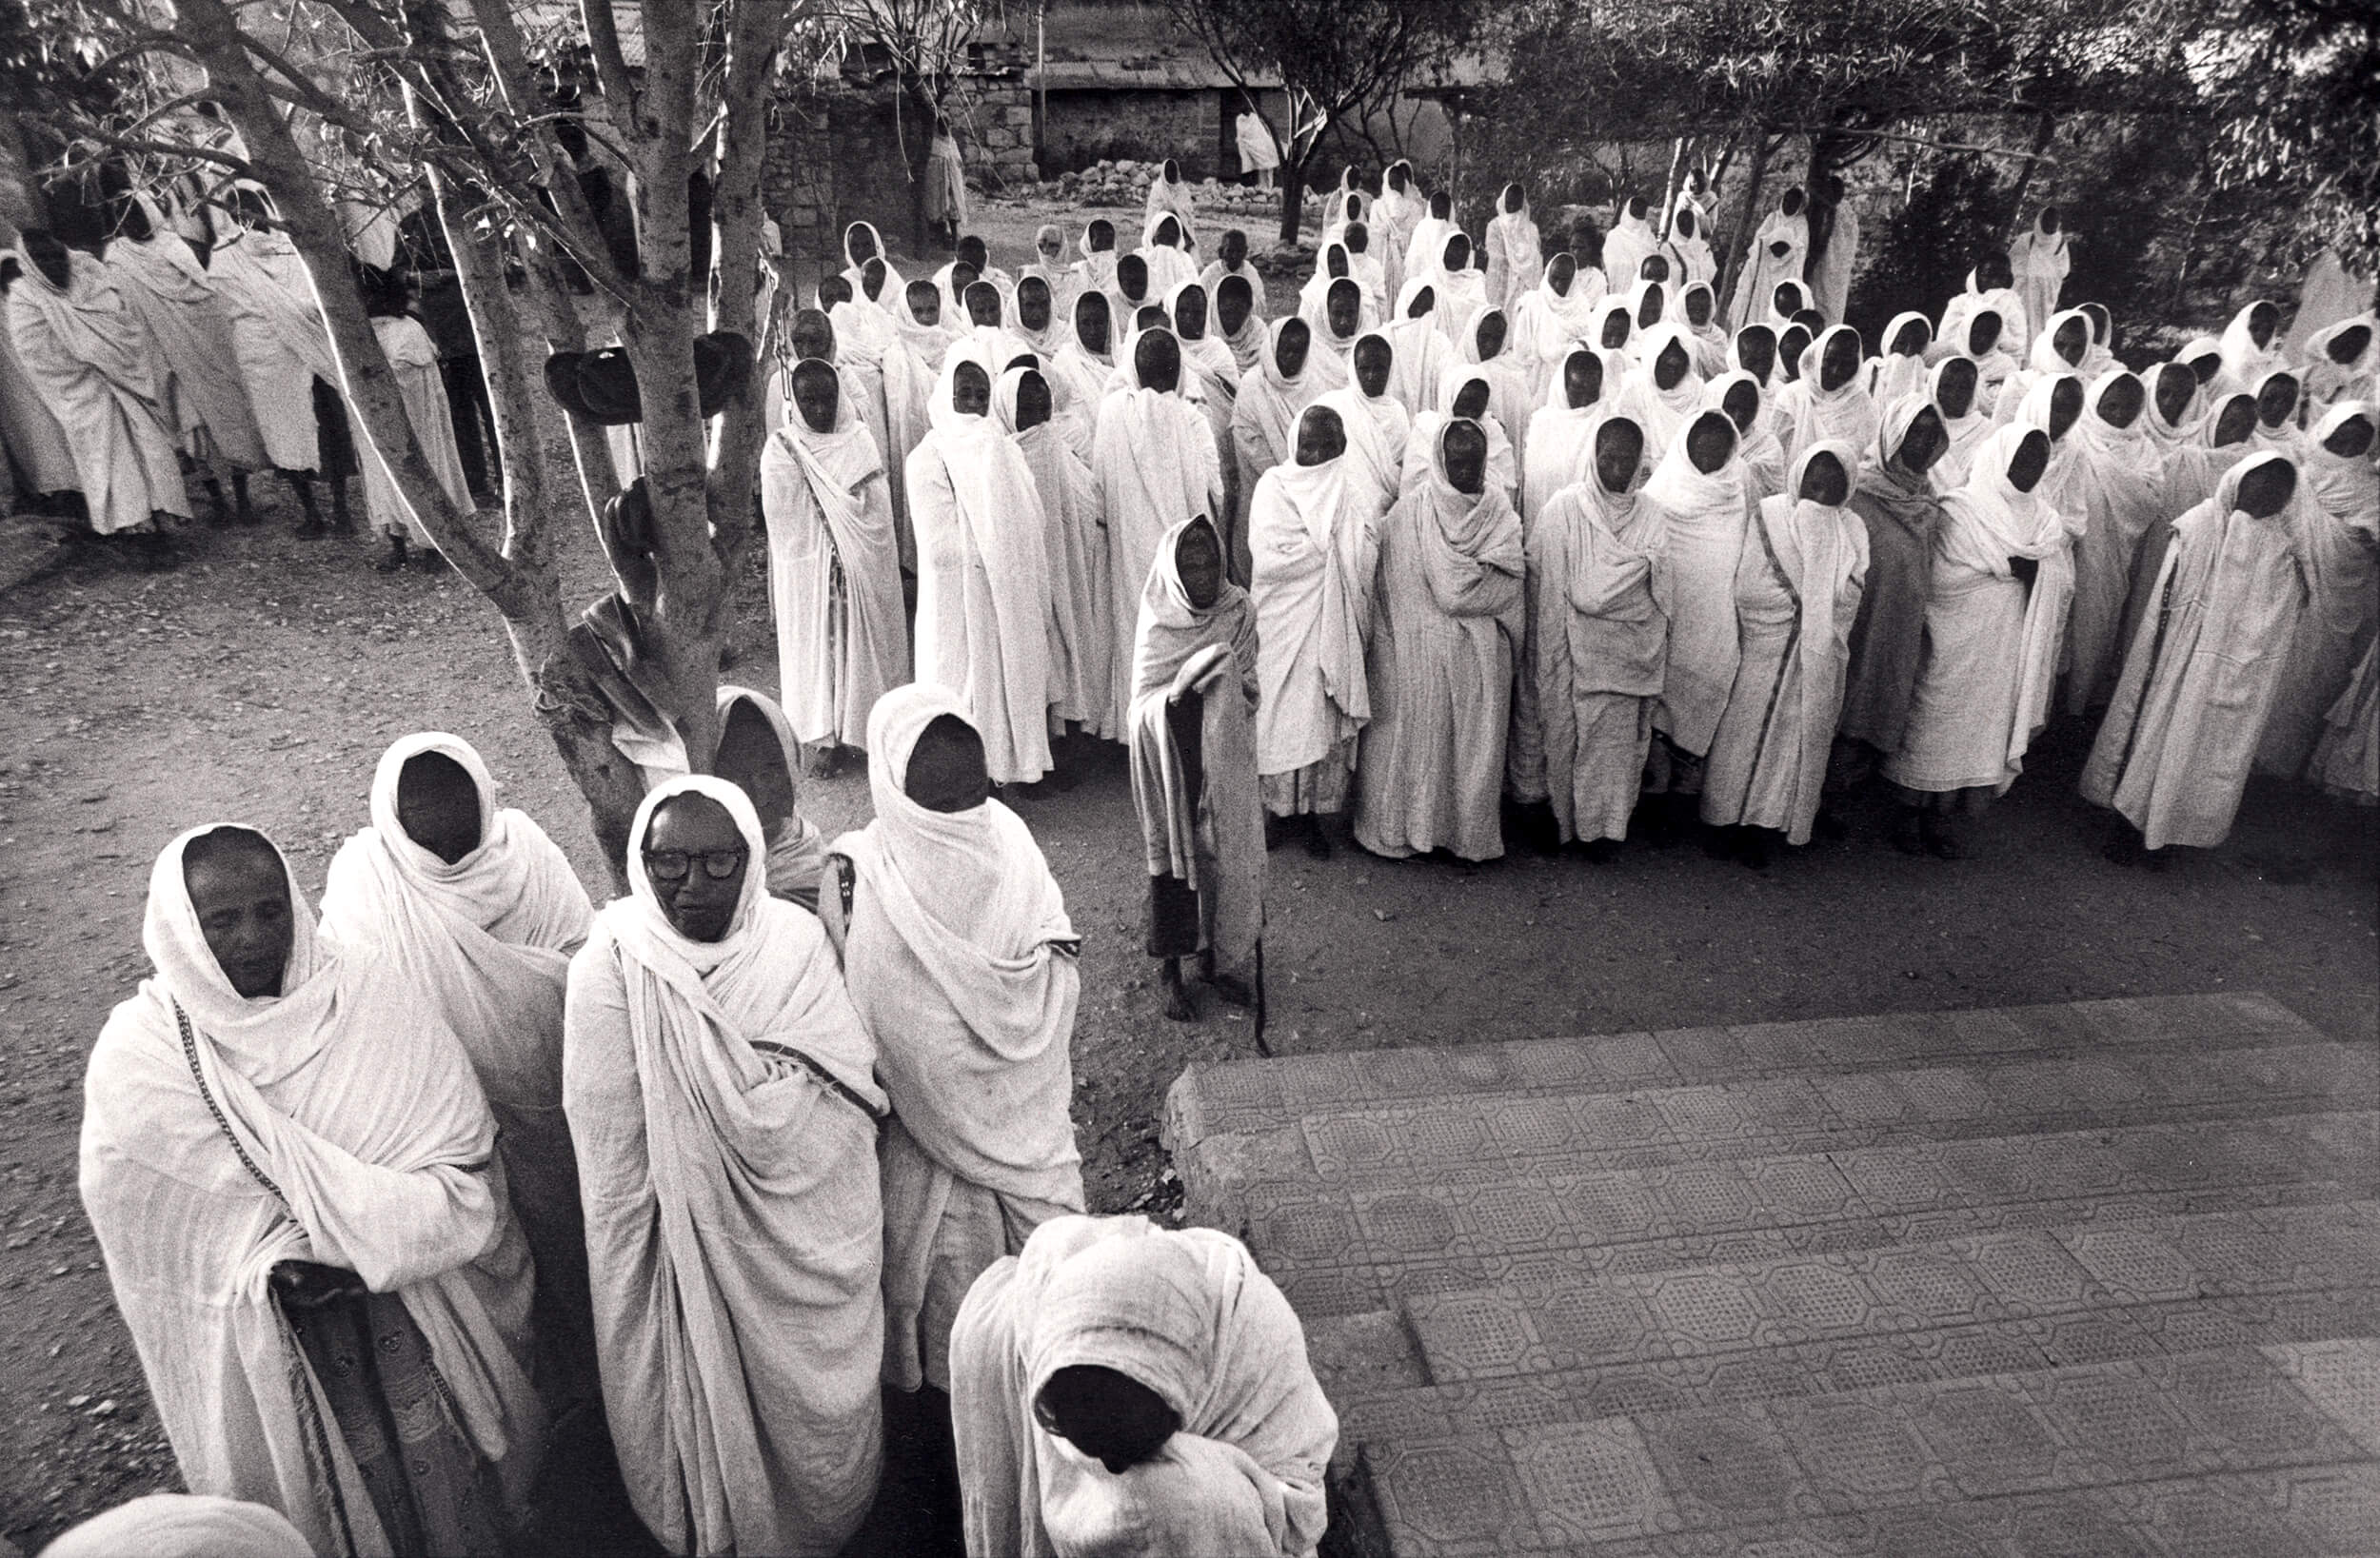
x: 924, y: 43
x: 1336, y: 59
x: 518, y: 143
x: 1845, y: 76
x: 2292, y: 85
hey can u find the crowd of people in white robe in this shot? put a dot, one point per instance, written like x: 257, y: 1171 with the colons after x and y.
x: 766, y: 1162
x: 189, y: 347
x: 1521, y: 530
x: 780, y: 1140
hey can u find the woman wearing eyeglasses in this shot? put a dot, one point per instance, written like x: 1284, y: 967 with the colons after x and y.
x: 723, y: 1099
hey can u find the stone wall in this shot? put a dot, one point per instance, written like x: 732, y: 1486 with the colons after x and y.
x: 1089, y: 126
x: 844, y: 153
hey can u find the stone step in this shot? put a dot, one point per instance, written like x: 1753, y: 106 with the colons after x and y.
x: 1244, y: 1096
x: 2239, y: 1451
x: 1338, y: 1251
x: 1482, y: 1138
x: 1527, y: 1353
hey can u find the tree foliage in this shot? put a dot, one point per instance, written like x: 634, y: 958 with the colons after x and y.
x: 2293, y: 87
x: 1335, y: 60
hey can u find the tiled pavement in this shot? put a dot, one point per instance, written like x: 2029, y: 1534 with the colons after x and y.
x: 2100, y: 1278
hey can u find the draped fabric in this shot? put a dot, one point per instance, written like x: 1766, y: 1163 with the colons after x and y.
x: 1830, y: 272
x: 1263, y: 425
x: 1708, y: 513
x: 1712, y: 347
x: 2200, y: 672
x: 183, y: 1525
x: 1449, y: 624
x: 1991, y: 639
x: 1516, y: 255
x: 983, y: 580
x: 1255, y: 144
x: 336, y: 1123
x: 2043, y: 360
x: 2117, y: 484
x: 1887, y: 643
x: 2329, y: 381
x: 1626, y: 248
x: 2334, y: 526
x: 1425, y: 251
x: 1757, y: 446
x: 1561, y: 436
x: 1545, y: 322
x: 855, y: 269
x: 1378, y: 429
x: 1895, y: 373
x: 1187, y: 1314
x: 1078, y: 382
x: 414, y: 362
x: 487, y: 943
x: 878, y: 371
x: 834, y: 574
x: 1152, y: 465
x: 2041, y: 260
x: 1095, y: 270
x: 1211, y: 373
x: 1169, y: 263
x: 1201, y: 813
x: 796, y: 849
x: 1809, y: 414
x: 945, y: 180
x: 165, y: 284
x: 1421, y: 350
x: 1966, y: 433
x: 1599, y: 598
x: 2346, y: 758
x: 90, y: 361
x: 1512, y: 382
x: 1690, y: 252
x: 960, y: 963
x: 1503, y: 464
x: 2245, y: 363
x: 1314, y: 538
x: 1765, y: 268
x: 1796, y: 593
x: 721, y: 1097
x: 1081, y: 640
x: 29, y: 433
x: 1660, y: 412
x: 278, y: 335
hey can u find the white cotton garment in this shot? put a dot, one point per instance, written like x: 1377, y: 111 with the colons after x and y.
x: 1152, y: 465
x: 1315, y: 541
x: 1601, y: 593
x: 2201, y: 672
x: 1796, y: 593
x: 1185, y: 1315
x: 961, y: 962
x: 359, y: 1105
x: 1445, y: 636
x: 1708, y: 514
x: 984, y: 582
x: 206, y: 404
x: 1991, y: 639
x: 278, y: 333
x: 723, y: 1099
x: 1081, y: 641
x: 834, y: 574
x: 413, y: 360
x: 93, y: 365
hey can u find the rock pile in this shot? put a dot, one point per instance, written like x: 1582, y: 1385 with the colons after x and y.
x: 1125, y: 182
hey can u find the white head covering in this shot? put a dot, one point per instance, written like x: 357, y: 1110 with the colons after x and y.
x: 183, y: 1525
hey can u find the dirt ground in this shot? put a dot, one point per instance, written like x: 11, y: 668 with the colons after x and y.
x: 261, y: 681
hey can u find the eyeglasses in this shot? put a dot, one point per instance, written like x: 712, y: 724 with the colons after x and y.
x: 673, y: 864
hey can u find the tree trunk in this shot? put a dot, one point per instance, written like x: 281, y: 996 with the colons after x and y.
x: 2043, y: 128
x: 1293, y: 195
x: 1670, y: 188
x: 1739, y: 242
x: 1826, y: 154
